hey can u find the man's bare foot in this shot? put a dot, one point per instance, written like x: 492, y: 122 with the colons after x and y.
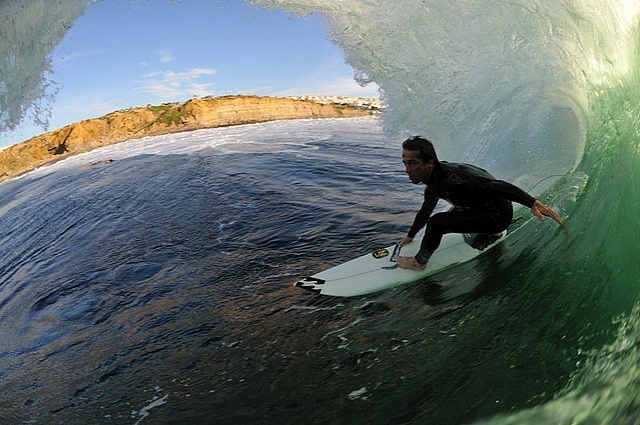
x: 409, y: 263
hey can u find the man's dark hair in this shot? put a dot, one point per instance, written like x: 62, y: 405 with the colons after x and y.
x: 421, y: 144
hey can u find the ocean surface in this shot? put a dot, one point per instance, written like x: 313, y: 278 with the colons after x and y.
x: 151, y: 281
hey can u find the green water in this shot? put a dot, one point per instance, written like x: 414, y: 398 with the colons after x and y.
x: 590, y: 276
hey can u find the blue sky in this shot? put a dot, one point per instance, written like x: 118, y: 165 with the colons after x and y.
x: 122, y: 54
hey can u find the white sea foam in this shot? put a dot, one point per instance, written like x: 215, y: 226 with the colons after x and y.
x: 287, y: 135
x: 144, y: 412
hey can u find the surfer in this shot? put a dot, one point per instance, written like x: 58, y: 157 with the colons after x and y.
x: 481, y: 204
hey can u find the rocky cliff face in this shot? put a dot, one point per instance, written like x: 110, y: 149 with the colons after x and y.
x: 167, y: 118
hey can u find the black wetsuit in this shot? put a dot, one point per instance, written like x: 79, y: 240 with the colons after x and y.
x: 483, y: 204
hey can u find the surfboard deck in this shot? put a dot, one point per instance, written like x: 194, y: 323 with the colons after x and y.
x: 378, y: 270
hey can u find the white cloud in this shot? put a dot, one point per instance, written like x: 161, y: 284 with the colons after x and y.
x: 337, y: 87
x: 172, y: 85
x: 166, y: 56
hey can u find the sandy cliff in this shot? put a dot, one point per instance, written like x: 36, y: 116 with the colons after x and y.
x: 168, y: 118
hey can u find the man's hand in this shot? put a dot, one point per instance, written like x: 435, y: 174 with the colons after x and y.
x: 540, y: 210
x: 409, y: 263
x: 405, y: 240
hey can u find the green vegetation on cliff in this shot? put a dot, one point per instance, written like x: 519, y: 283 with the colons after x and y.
x: 167, y: 114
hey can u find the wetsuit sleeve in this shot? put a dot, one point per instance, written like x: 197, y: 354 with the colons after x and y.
x: 423, y: 214
x: 511, y: 192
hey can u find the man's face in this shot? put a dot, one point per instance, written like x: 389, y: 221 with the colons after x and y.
x: 417, y: 170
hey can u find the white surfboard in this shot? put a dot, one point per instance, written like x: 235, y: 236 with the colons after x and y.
x: 378, y: 270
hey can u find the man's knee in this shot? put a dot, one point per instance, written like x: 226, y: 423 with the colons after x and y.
x: 438, y: 222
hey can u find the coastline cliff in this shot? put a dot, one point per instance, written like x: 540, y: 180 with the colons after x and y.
x: 208, y: 112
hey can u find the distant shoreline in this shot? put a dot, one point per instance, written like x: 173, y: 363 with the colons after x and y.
x: 194, y: 114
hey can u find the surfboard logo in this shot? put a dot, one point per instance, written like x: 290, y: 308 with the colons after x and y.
x: 381, y: 253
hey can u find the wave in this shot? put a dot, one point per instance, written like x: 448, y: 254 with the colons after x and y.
x: 501, y: 83
x: 31, y: 30
x: 543, y: 94
x: 531, y: 90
